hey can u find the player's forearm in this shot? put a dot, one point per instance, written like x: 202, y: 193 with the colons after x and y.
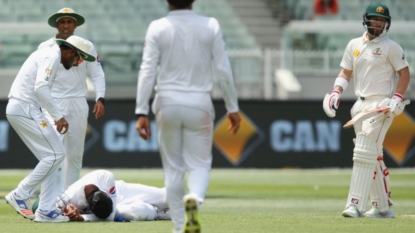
x: 98, y: 80
x: 230, y: 96
x: 340, y: 84
x: 47, y: 102
x: 144, y: 90
x: 403, y: 82
x: 224, y: 73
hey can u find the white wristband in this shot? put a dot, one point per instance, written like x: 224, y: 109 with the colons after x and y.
x: 342, y: 82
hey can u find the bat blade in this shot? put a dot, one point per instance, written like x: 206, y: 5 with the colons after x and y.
x: 368, y: 114
x: 365, y: 115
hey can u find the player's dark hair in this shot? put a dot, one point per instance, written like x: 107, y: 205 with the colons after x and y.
x: 100, y: 204
x: 181, y: 3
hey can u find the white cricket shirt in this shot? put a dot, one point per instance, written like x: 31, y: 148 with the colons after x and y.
x: 35, y: 79
x: 374, y: 64
x: 104, y: 180
x: 72, y: 83
x: 189, y: 50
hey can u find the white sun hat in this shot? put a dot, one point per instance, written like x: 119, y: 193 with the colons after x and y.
x: 80, y: 45
x: 65, y: 12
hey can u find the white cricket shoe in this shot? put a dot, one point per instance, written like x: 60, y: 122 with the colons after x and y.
x: 20, y: 205
x: 163, y: 214
x: 50, y: 216
x: 352, y: 212
x: 375, y: 213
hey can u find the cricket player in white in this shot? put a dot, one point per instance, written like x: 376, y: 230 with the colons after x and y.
x: 70, y: 90
x: 131, y: 202
x: 186, y: 46
x: 29, y: 93
x: 374, y: 60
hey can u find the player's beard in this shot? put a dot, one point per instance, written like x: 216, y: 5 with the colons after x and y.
x: 374, y: 31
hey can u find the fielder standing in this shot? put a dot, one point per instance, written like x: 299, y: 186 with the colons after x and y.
x: 186, y: 46
x: 29, y: 93
x: 70, y: 91
x: 374, y: 60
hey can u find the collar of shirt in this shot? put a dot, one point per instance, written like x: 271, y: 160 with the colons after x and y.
x: 52, y: 41
x: 182, y: 12
x: 56, y: 47
x: 375, y: 40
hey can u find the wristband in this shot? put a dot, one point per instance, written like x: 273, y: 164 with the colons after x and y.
x: 397, y: 95
x: 102, y: 100
x: 342, y: 82
x: 336, y: 91
x: 141, y: 115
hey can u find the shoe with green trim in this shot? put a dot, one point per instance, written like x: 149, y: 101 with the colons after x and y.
x: 192, y: 221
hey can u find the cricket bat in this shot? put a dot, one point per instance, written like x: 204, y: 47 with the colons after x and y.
x: 368, y: 114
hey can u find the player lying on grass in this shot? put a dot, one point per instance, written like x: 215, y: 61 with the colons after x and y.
x: 97, y: 196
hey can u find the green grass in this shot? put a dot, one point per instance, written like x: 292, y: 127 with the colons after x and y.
x: 248, y: 200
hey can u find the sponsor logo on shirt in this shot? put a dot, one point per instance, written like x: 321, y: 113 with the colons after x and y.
x: 356, y: 53
x: 98, y: 60
x: 403, y: 56
x: 48, y: 71
x: 112, y: 190
x: 377, y: 52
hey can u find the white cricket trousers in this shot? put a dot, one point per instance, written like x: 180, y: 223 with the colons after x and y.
x: 75, y: 111
x: 377, y: 126
x: 185, y: 135
x: 40, y: 137
x: 136, y: 202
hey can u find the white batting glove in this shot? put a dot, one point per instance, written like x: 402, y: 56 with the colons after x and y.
x: 396, y: 105
x: 384, y: 103
x: 331, y: 102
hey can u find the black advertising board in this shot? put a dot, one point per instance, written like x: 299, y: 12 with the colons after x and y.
x: 273, y: 134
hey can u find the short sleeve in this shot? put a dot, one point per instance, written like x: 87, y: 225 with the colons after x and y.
x: 397, y: 57
x: 347, y: 60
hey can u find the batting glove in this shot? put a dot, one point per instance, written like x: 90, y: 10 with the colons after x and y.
x: 396, y: 105
x: 331, y: 102
x: 384, y: 103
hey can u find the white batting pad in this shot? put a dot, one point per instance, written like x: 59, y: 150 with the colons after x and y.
x: 365, y: 150
x: 365, y: 160
x: 379, y: 192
